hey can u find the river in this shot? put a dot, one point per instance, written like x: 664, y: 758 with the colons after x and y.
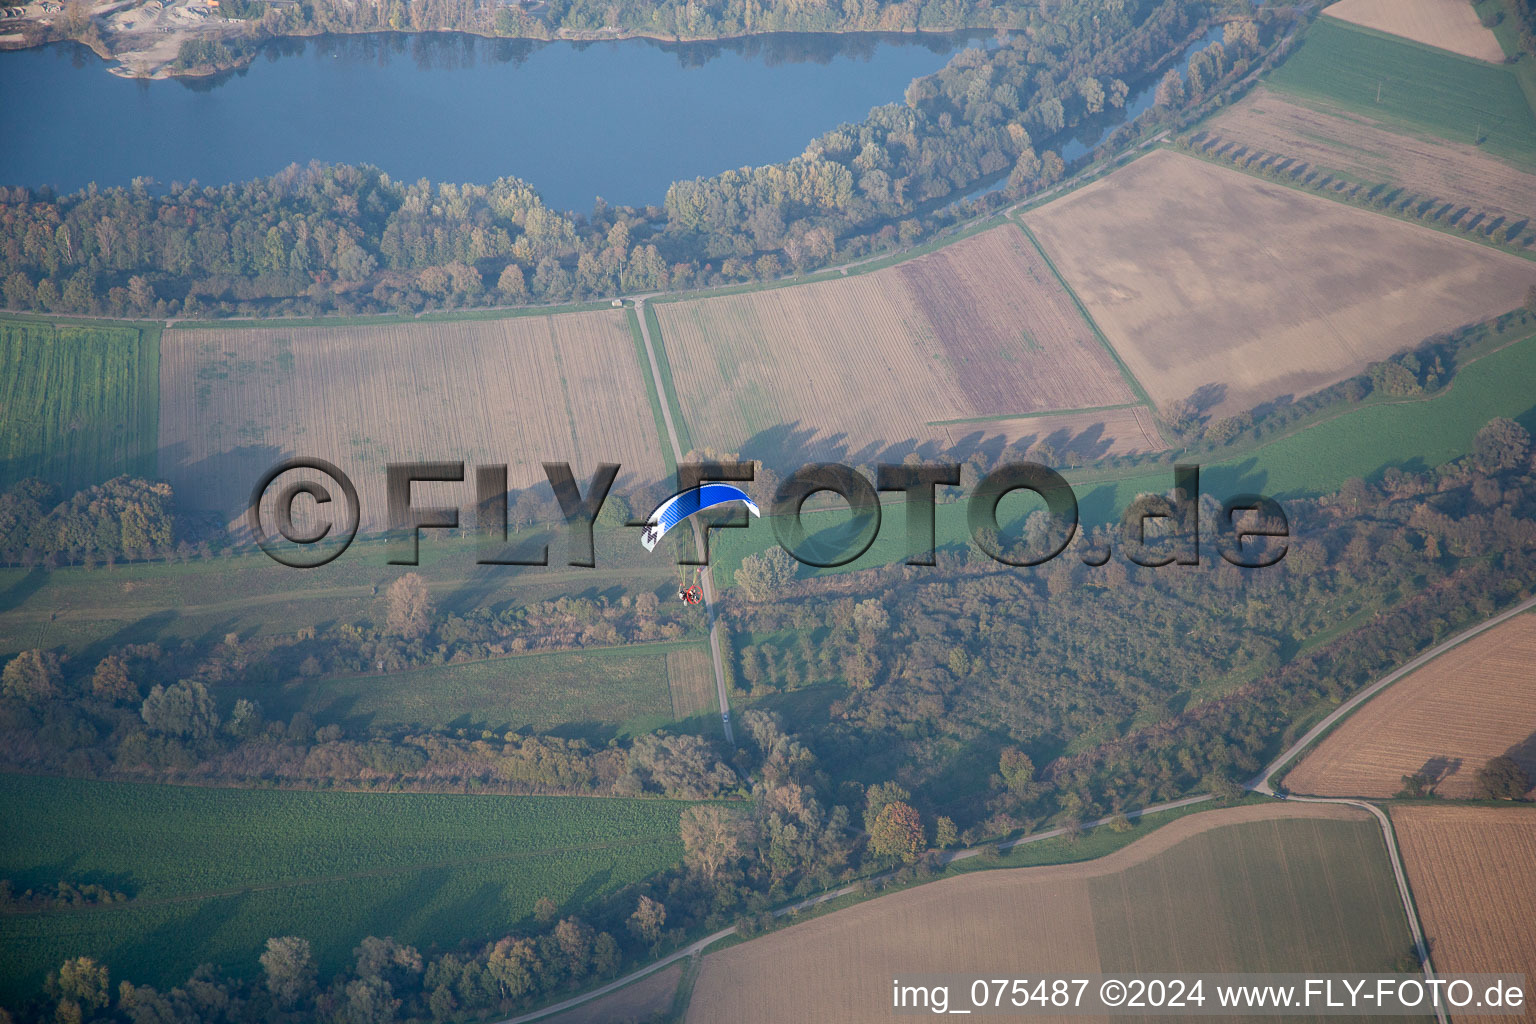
x: 620, y: 119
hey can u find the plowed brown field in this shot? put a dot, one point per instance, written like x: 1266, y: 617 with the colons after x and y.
x: 976, y: 329
x: 1350, y: 144
x: 1213, y: 283
x: 1472, y: 703
x: 519, y: 391
x: 1473, y: 872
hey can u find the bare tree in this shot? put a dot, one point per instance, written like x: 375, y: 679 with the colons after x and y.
x: 410, y: 607
x: 713, y: 837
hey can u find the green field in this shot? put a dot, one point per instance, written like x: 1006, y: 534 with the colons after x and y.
x: 620, y: 686
x: 1292, y: 894
x: 1420, y: 87
x: 216, y: 872
x: 80, y: 404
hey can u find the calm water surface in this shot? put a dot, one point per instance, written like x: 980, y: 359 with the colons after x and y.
x: 618, y: 119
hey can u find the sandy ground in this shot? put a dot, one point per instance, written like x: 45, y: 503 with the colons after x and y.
x: 1449, y: 24
x: 144, y: 37
x: 147, y: 37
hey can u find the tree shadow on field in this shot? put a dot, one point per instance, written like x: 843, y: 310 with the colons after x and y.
x: 1524, y: 755
x: 589, y: 890
x: 142, y: 631
x: 451, y: 921
x: 789, y: 446
x: 486, y: 582
x: 591, y: 731
x: 220, y: 483
x: 1207, y: 397
x: 18, y: 593
x: 1437, y: 769
x: 1243, y: 477
x: 420, y: 889
x: 175, y: 948
x: 64, y: 870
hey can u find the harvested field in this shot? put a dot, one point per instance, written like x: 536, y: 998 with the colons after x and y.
x: 1185, y: 897
x: 691, y: 678
x: 977, y: 329
x: 518, y: 391
x: 1473, y: 873
x: 1215, y: 284
x: 643, y: 1001
x: 1359, y: 147
x: 1449, y: 24
x: 1446, y: 720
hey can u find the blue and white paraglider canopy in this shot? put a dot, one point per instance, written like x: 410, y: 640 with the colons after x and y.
x: 680, y: 506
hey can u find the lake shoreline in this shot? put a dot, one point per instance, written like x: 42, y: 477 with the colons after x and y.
x: 160, y: 66
x: 397, y: 101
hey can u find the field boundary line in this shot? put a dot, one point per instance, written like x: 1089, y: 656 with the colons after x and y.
x: 706, y: 579
x: 565, y: 393
x: 149, y: 400
x: 661, y: 369
x: 1093, y: 325
x: 650, y: 389
x: 1004, y: 417
x: 479, y: 313
x: 1404, y: 890
x: 75, y: 319
x: 1393, y: 37
x: 607, y: 650
x: 357, y: 590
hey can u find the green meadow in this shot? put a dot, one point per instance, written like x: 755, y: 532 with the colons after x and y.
x: 79, y: 404
x: 213, y: 873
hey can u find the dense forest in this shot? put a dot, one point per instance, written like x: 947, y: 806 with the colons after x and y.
x: 350, y: 239
x: 1130, y: 685
x: 892, y: 714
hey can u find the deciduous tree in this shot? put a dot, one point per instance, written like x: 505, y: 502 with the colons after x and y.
x: 289, y: 965
x: 409, y: 607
